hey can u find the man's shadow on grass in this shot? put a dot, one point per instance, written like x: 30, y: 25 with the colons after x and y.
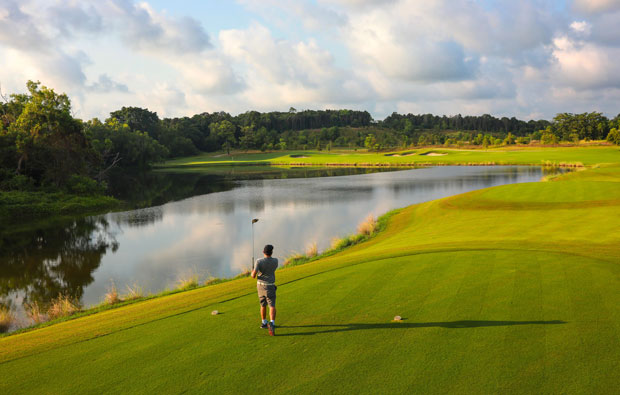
x: 324, y: 328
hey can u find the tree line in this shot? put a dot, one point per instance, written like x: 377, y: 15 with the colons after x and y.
x: 43, y: 146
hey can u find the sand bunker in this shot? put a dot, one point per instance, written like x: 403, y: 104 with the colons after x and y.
x: 433, y: 154
x: 403, y: 154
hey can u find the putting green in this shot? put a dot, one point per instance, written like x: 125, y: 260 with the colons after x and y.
x: 512, y: 289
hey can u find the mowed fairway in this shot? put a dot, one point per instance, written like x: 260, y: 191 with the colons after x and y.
x: 585, y: 155
x: 513, y: 289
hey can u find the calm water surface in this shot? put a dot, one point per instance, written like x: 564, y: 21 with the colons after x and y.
x: 210, y: 234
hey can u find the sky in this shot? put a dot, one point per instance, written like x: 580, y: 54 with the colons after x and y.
x: 529, y: 59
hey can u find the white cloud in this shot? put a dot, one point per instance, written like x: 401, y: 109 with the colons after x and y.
x: 580, y: 27
x: 385, y: 40
x: 165, y: 99
x: 281, y: 73
x: 584, y: 65
x: 208, y: 74
x: 59, y: 70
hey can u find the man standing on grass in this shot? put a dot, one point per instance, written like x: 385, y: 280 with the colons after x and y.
x: 264, y: 271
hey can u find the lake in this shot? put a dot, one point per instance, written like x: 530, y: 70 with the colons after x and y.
x: 201, y: 224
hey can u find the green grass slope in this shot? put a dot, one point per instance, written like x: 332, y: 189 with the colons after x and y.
x: 586, y: 155
x: 512, y: 289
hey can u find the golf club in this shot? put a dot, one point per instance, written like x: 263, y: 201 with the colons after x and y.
x: 255, y: 220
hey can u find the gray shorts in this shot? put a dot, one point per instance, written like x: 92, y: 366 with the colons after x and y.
x: 266, y: 294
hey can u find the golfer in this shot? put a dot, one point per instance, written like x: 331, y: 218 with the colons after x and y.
x: 264, y: 271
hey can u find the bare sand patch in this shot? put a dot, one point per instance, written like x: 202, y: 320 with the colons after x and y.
x: 433, y: 154
x: 403, y: 154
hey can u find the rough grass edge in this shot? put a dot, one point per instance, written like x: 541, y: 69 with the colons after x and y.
x: 346, y: 242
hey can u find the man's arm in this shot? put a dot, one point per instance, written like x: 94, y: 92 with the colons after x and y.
x: 255, y: 270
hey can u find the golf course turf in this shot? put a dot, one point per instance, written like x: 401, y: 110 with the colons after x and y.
x: 569, y: 156
x: 511, y: 289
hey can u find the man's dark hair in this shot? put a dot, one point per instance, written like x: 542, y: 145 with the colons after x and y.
x: 268, y: 250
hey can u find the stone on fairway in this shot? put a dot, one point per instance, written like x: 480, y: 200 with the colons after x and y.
x: 398, y: 318
x: 215, y: 312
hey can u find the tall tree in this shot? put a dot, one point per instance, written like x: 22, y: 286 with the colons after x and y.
x: 50, y: 143
x: 225, y: 132
x: 139, y: 119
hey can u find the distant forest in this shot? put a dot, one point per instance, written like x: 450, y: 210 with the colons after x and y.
x: 326, y: 129
x: 43, y: 145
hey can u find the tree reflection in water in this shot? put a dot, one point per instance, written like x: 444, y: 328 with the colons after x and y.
x: 38, y: 265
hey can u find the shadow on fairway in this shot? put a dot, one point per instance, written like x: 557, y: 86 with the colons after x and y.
x: 323, y: 328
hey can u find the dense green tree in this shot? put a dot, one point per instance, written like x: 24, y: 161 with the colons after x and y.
x: 225, y: 132
x: 248, y: 138
x: 484, y: 123
x: 486, y: 141
x: 614, y: 136
x: 510, y: 139
x: 176, y: 143
x: 548, y: 137
x: 370, y: 141
x: 139, y: 119
x: 50, y: 144
x: 118, y: 145
x: 523, y: 140
x: 586, y: 126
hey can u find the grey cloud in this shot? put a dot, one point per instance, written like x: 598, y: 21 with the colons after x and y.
x: 18, y: 29
x: 64, y: 68
x: 596, y: 6
x: 105, y: 85
x: 503, y: 29
x: 317, y: 17
x: 360, y: 3
x: 426, y: 61
x: 537, y: 57
x: 44, y: 30
x: 444, y: 61
x: 487, y: 89
x: 312, y: 15
x: 605, y: 28
x: 71, y: 18
x: 141, y: 29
